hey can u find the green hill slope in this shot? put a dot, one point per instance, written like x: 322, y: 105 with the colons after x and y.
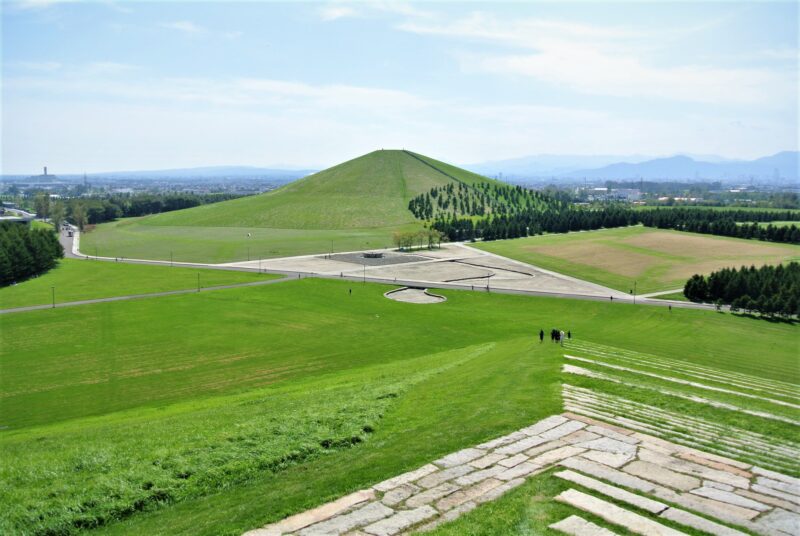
x: 369, y: 191
x: 355, y: 205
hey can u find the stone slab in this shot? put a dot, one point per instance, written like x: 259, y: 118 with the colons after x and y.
x: 434, y: 479
x: 579, y: 437
x: 613, y: 434
x: 500, y: 441
x: 430, y: 495
x: 607, y: 473
x: 556, y: 455
x: 562, y: 430
x: 550, y: 445
x: 405, y: 478
x: 786, y: 522
x: 607, y: 458
x: 399, y: 494
x: 730, y: 498
x: 519, y: 471
x: 595, y: 422
x: 315, y: 515
x: 477, y: 476
x: 577, y: 526
x: 767, y: 499
x: 461, y: 457
x: 467, y: 494
x: 499, y: 490
x: 661, y: 475
x: 486, y: 461
x: 716, y: 509
x: 693, y: 469
x: 616, y: 515
x: 776, y: 476
x: 775, y: 493
x: 345, y: 522
x: 448, y: 516
x: 704, y: 460
x: 614, y: 492
x: 785, y: 487
x: 688, y: 519
x: 512, y: 461
x: 519, y: 446
x: 400, y: 521
x: 544, y: 425
x: 607, y: 444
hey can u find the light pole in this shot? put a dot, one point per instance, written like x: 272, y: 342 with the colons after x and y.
x: 634, y: 292
x: 53, y: 289
x: 198, y: 281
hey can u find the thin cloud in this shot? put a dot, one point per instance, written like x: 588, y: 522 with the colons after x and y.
x: 183, y: 26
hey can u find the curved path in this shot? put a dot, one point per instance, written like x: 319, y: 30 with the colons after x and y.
x: 302, y: 266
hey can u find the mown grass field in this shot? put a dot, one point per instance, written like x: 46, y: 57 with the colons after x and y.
x: 75, y: 280
x: 135, y: 238
x: 655, y: 259
x: 355, y: 205
x: 215, y: 413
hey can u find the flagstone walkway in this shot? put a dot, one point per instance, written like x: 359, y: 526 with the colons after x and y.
x: 648, y: 475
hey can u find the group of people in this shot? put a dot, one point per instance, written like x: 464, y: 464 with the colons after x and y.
x: 555, y: 335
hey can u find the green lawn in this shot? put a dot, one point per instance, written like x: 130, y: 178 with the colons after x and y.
x: 86, y: 279
x: 250, y: 404
x: 655, y: 259
x: 136, y: 238
x: 355, y: 205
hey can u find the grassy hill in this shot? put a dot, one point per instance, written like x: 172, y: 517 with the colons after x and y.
x: 369, y: 191
x: 213, y: 413
x: 354, y: 205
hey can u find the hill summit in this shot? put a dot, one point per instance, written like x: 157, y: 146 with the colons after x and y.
x: 370, y: 191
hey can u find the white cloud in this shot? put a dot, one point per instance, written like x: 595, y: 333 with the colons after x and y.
x: 604, y: 60
x: 335, y: 12
x: 183, y: 26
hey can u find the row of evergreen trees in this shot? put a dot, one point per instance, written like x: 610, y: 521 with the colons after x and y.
x: 770, y: 290
x: 724, y: 223
x: 461, y: 199
x: 531, y: 222
x: 26, y: 252
x: 551, y: 216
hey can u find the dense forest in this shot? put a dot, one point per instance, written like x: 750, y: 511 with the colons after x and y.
x: 491, y: 212
x: 26, y: 252
x: 770, y: 290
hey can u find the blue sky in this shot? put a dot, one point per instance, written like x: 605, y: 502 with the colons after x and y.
x: 99, y: 86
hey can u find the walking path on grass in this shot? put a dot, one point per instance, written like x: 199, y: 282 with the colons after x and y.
x: 658, y: 487
x: 314, y: 266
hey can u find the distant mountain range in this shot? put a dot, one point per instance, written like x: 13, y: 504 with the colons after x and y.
x: 785, y: 164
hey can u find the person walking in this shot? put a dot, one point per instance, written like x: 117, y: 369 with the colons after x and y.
x: 541, y: 336
x: 561, y: 337
x: 569, y: 335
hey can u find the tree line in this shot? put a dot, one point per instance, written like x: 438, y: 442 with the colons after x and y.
x: 94, y: 210
x: 725, y: 222
x: 460, y: 199
x: 521, y: 215
x: 26, y: 252
x: 769, y: 290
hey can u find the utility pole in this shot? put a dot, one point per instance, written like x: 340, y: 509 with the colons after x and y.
x: 54, y: 296
x: 634, y: 292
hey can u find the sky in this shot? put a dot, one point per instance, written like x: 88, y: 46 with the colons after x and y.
x: 103, y: 85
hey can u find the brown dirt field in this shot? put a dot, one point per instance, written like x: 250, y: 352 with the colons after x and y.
x: 686, y: 245
x: 601, y: 256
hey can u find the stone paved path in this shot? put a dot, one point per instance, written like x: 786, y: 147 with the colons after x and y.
x: 654, y: 479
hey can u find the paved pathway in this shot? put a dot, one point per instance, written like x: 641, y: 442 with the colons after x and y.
x: 648, y: 475
x: 287, y: 268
